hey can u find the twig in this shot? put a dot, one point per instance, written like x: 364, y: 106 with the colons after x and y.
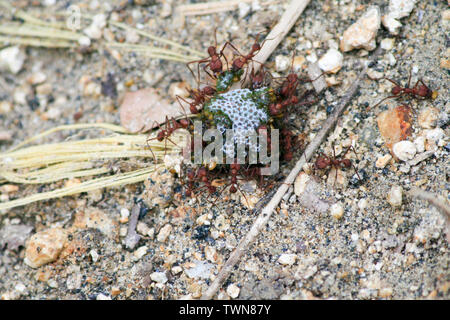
x: 132, y: 237
x: 278, y: 33
x: 209, y: 7
x: 265, y: 214
x: 433, y: 199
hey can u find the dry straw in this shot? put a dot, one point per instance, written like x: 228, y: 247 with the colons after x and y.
x: 93, y: 158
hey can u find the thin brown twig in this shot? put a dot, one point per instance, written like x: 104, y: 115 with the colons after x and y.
x: 267, y: 211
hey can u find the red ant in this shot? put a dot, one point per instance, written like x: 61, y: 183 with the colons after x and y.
x: 198, y: 97
x: 214, y: 61
x: 420, y: 90
x: 324, y: 161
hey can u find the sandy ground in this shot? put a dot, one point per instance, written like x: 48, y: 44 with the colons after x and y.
x: 373, y: 251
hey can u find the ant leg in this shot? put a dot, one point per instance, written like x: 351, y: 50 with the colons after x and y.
x: 390, y: 97
x: 392, y: 81
x: 409, y: 79
x: 228, y: 43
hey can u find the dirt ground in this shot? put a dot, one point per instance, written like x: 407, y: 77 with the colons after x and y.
x: 372, y: 250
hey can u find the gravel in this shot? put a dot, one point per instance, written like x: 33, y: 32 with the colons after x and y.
x: 374, y: 250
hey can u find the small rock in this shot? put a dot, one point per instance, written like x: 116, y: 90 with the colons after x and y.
x: 331, y: 61
x: 37, y: 78
x: 164, y: 233
x: 363, y: 32
x: 12, y: 59
x: 94, y: 255
x: 397, y: 10
x: 159, y: 277
x: 142, y: 228
x: 404, y: 150
x: 44, y: 89
x: 428, y: 117
x: 244, y: 9
x: 395, y: 195
x: 385, y: 292
x: 434, y: 134
x: 282, y: 63
x: 300, y: 183
x: 201, y: 269
x: 44, y: 247
x: 383, y: 161
x: 176, y: 269
x: 94, y: 31
x: 419, y: 142
x: 337, y: 211
x: 222, y: 223
x: 5, y: 107
x: 315, y: 74
x: 395, y: 125
x: 132, y: 36
x: 287, y: 259
x: 211, y: 254
x: 140, y: 252
x: 14, y: 236
x: 387, y: 44
x: 233, y: 291
x: 101, y: 296
x: 5, y: 135
x: 374, y: 75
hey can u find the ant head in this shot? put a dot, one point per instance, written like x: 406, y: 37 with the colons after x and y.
x: 212, y: 51
x: 233, y: 189
x: 238, y: 64
x: 209, y: 91
x: 346, y: 163
x: 184, y: 123
x: 292, y: 77
x: 161, y: 135
x: 424, y: 91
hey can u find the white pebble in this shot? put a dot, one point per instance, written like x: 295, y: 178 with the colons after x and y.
x: 12, y: 59
x: 233, y: 291
x: 164, y: 233
x: 383, y: 161
x: 337, y: 211
x: 362, y: 33
x: 287, y: 259
x: 159, y: 277
x: 140, y: 252
x: 435, y: 134
x: 282, y: 63
x: 395, y: 195
x: 331, y: 61
x: 362, y: 203
x: 387, y: 44
x: 397, y: 10
x: 101, y: 296
x: 419, y: 142
x: 355, y: 237
x: 244, y: 9
x: 94, y: 255
x: 404, y: 150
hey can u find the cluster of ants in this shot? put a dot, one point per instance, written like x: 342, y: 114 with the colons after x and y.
x: 225, y: 74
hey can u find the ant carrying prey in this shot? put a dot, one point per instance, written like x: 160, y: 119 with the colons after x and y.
x: 420, y: 90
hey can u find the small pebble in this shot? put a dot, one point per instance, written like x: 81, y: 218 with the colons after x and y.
x: 397, y: 9
x: 404, y: 150
x: 383, y: 161
x: 233, y: 291
x: 244, y: 9
x: 362, y: 33
x: 419, y: 142
x: 164, y: 233
x: 337, y: 211
x: 331, y: 61
x: 395, y: 195
x: 37, y: 78
x: 101, y: 296
x: 5, y: 107
x: 176, y: 269
x: 287, y: 259
x: 94, y: 255
x: 12, y: 59
x: 140, y: 252
x: 282, y: 63
x: 374, y: 75
x: 363, y: 203
x: 387, y: 44
x: 434, y: 134
x: 44, y: 247
x: 211, y: 254
x: 159, y: 277
x: 428, y: 117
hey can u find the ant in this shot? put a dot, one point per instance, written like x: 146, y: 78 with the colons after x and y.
x: 325, y: 161
x: 199, y: 97
x: 213, y: 60
x: 420, y: 90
